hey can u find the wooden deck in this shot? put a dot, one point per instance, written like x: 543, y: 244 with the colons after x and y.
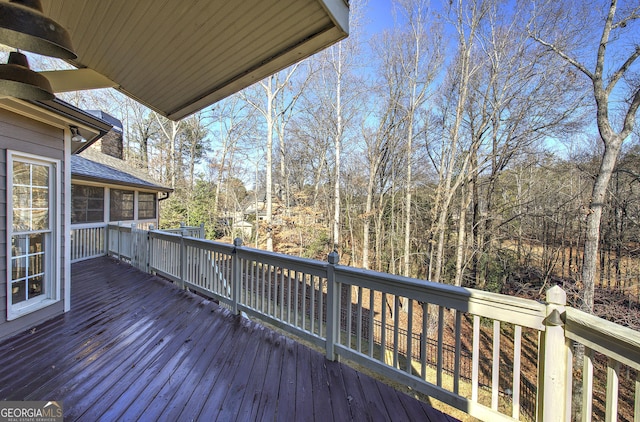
x: 135, y: 347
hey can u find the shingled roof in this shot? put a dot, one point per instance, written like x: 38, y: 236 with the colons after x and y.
x: 98, y: 167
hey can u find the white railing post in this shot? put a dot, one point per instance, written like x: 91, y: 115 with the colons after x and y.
x: 333, y: 313
x: 151, y: 227
x: 106, y: 239
x: 119, y: 243
x: 236, y: 275
x: 133, y: 245
x: 554, y: 390
x: 202, y: 231
x: 183, y: 256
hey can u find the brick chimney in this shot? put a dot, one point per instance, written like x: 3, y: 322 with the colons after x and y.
x: 111, y: 142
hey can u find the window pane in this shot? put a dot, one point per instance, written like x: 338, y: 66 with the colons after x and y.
x: 36, y: 264
x: 36, y: 243
x: 18, y: 292
x: 40, y: 175
x: 21, y: 198
x: 18, y: 245
x: 40, y: 219
x: 40, y: 197
x: 21, y: 220
x: 21, y: 173
x: 18, y: 268
x: 36, y: 286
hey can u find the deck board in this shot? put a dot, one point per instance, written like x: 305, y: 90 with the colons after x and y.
x: 135, y: 347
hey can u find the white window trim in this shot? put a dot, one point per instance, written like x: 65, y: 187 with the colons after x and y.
x: 53, y: 266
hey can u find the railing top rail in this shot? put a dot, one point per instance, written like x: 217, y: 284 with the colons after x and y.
x: 309, y: 266
x: 209, y: 245
x: 606, y: 337
x: 120, y: 227
x: 524, y: 312
x: 87, y: 226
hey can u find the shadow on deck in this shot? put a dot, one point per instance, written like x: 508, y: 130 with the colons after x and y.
x: 136, y: 347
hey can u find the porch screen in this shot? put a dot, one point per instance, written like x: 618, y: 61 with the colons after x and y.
x: 121, y: 205
x: 146, y: 206
x: 87, y: 204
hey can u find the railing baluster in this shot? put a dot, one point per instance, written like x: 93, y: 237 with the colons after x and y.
x: 636, y: 409
x: 263, y: 286
x: 271, y: 269
x: 282, y: 294
x: 255, y: 275
x: 348, y: 302
x: 296, y: 315
x: 456, y: 364
x: 304, y: 301
x: 312, y: 306
x: 372, y: 314
x: 409, y: 351
x: 396, y: 322
x: 475, y: 356
x: 440, y: 344
x: 613, y: 369
x: 320, y: 306
x: 495, y: 373
x: 517, y: 351
x: 289, y: 296
x: 423, y: 340
x: 359, y: 321
x: 383, y: 330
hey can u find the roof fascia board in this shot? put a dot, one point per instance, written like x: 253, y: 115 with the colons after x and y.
x: 96, y: 181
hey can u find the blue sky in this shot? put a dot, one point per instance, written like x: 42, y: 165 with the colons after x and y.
x: 378, y: 16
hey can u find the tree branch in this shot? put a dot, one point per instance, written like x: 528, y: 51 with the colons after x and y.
x: 562, y: 54
x: 621, y: 71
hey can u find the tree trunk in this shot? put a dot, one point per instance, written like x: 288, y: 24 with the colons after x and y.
x: 592, y: 233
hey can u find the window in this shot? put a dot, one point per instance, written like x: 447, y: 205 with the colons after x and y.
x: 87, y: 204
x: 146, y: 206
x: 121, y: 206
x: 32, y: 199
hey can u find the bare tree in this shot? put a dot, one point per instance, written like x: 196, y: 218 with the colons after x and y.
x: 230, y: 124
x: 415, y: 51
x: 611, y: 67
x: 467, y: 19
x: 271, y: 87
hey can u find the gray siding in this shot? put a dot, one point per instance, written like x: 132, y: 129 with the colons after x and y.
x: 22, y: 134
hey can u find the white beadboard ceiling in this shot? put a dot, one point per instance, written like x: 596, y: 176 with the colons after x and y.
x: 179, y: 56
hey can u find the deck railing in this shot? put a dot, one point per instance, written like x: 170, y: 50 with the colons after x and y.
x: 90, y: 240
x: 342, y: 309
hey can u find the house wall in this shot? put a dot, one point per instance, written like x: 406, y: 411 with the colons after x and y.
x: 23, y: 134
